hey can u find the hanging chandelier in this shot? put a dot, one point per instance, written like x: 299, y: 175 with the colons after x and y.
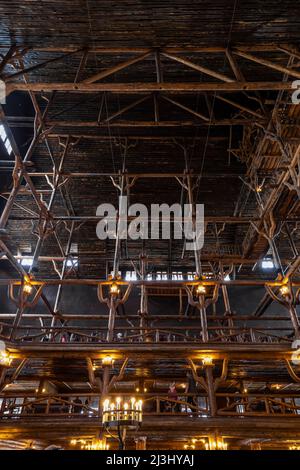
x: 125, y: 413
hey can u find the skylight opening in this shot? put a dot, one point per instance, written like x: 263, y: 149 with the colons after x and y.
x: 72, y: 263
x: 26, y: 262
x: 267, y: 263
x: 5, y: 139
x: 130, y: 276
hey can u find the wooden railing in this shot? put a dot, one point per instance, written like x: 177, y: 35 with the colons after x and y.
x: 88, y: 406
x: 240, y: 330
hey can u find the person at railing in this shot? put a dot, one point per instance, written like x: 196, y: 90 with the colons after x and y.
x: 77, y: 406
x: 172, y: 395
x: 94, y: 337
x: 75, y: 338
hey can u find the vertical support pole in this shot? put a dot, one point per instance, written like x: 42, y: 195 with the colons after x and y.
x: 140, y: 443
x: 2, y: 377
x: 203, y: 320
x: 159, y: 74
x: 105, y: 380
x: 119, y: 227
x: 192, y: 207
x: 111, y: 319
x: 144, y: 299
x: 210, y: 389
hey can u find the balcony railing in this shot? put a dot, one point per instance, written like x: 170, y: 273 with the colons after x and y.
x: 249, y: 330
x: 88, y: 406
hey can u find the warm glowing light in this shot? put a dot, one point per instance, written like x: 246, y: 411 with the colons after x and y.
x: 284, y: 290
x: 95, y: 444
x: 207, y: 361
x: 201, y: 289
x: 137, y: 389
x: 191, y: 444
x: 114, y: 289
x: 107, y: 361
x: 122, y: 412
x: 145, y: 390
x: 27, y: 288
x: 5, y: 359
x: 294, y: 447
x: 259, y: 189
x: 216, y: 444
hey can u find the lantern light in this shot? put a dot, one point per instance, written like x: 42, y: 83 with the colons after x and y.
x: 107, y: 361
x: 284, y: 290
x: 201, y: 289
x: 114, y: 289
x: 27, y: 287
x: 207, y: 361
x: 5, y: 359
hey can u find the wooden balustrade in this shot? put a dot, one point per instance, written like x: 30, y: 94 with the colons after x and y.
x: 237, y: 404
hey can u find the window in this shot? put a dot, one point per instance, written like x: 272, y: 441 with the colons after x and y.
x: 161, y: 276
x: 72, y: 262
x: 227, y: 277
x: 26, y: 262
x: 191, y: 276
x: 177, y: 276
x: 5, y: 139
x: 130, y: 276
x: 267, y: 263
